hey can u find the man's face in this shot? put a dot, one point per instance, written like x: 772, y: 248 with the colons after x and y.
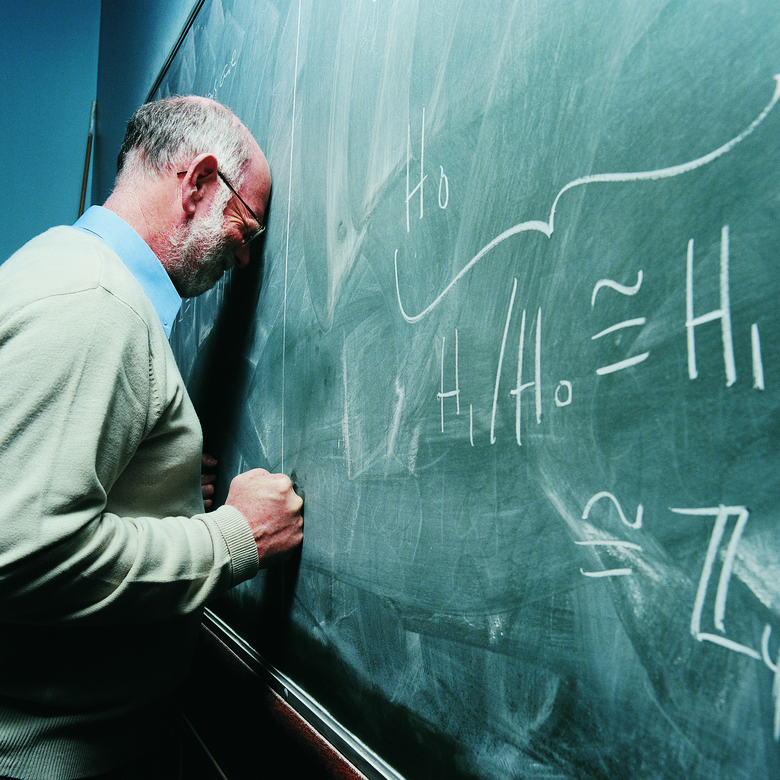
x: 202, y: 252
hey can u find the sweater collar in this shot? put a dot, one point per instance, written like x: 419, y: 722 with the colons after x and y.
x: 135, y: 253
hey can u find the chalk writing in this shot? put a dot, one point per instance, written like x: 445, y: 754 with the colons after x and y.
x: 605, y: 495
x: 621, y: 288
x: 709, y: 619
x: 723, y: 313
x: 611, y: 543
x: 721, y: 515
x: 535, y: 383
x: 635, y: 322
x: 758, y: 366
x: 500, y: 363
x: 418, y: 189
x: 563, y: 400
x: 563, y: 394
x: 444, y: 189
x: 547, y: 227
x: 221, y: 77
x: 451, y: 393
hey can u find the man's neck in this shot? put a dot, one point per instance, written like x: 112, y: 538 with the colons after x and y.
x: 151, y: 216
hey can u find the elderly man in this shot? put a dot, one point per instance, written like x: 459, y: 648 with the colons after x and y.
x: 106, y: 553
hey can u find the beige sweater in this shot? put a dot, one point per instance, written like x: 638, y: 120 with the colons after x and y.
x: 106, y: 554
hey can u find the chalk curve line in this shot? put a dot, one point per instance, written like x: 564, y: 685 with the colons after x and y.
x: 548, y: 227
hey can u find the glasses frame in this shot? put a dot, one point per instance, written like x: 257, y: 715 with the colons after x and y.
x: 250, y: 235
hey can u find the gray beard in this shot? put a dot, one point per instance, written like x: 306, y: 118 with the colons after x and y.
x: 200, y: 255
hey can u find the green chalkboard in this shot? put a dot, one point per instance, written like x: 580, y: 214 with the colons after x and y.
x: 515, y: 333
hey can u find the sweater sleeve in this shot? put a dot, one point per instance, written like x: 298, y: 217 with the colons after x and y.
x: 79, y: 399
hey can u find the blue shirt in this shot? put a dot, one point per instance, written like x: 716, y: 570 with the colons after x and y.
x: 135, y: 253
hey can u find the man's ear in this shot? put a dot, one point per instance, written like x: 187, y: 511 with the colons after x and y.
x: 199, y: 177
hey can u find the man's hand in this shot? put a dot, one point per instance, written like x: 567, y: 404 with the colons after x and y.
x: 208, y: 477
x: 273, y: 509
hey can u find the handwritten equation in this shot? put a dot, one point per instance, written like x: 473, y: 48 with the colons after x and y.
x: 529, y: 380
x: 709, y: 627
x: 563, y: 391
x: 529, y: 377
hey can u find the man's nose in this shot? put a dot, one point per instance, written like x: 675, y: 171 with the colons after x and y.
x: 242, y: 255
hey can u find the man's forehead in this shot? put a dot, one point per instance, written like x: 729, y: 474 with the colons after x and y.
x: 257, y: 180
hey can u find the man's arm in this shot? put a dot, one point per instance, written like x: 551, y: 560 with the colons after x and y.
x: 81, y: 402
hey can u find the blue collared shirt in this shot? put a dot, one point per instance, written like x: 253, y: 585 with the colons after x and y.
x: 135, y: 253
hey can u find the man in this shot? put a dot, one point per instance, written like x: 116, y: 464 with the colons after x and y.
x: 106, y: 553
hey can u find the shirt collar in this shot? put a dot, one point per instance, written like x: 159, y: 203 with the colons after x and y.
x: 135, y: 253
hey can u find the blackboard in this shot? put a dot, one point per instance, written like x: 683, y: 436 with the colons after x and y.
x: 514, y: 332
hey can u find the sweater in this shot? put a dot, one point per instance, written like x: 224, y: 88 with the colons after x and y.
x: 106, y: 553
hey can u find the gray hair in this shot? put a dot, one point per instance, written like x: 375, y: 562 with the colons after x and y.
x: 173, y: 131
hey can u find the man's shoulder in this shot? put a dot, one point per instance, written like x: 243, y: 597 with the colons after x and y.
x: 59, y: 261
x: 67, y: 261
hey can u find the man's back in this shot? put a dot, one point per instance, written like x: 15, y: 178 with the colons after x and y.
x: 87, y: 639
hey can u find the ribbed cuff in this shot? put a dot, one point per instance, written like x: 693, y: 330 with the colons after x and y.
x: 241, y: 545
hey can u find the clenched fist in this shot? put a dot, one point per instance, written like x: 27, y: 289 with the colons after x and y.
x: 273, y: 509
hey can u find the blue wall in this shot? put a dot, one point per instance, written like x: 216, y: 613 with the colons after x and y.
x: 56, y: 57
x: 48, y: 77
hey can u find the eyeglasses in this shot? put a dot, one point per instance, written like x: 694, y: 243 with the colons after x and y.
x: 250, y: 235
